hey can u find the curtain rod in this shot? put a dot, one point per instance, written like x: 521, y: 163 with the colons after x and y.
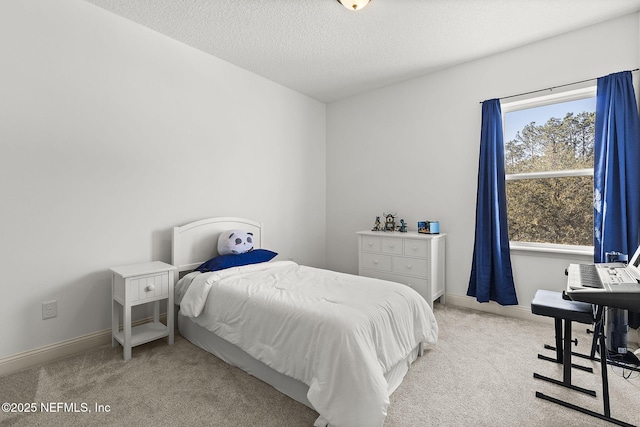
x: 553, y: 87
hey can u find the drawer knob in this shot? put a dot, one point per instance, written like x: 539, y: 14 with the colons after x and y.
x: 149, y: 288
x: 392, y: 245
x: 409, y: 266
x: 415, y: 248
x: 370, y: 244
x: 375, y: 261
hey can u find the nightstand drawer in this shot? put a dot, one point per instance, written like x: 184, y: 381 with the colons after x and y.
x: 412, y: 266
x: 149, y: 287
x: 376, y: 261
x: 416, y: 248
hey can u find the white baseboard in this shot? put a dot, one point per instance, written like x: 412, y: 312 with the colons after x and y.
x: 518, y: 311
x: 48, y: 353
x: 51, y: 352
x: 523, y: 312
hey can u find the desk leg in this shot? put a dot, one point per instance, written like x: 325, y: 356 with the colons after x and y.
x: 559, y: 343
x: 566, y: 353
x: 597, y: 330
x: 605, y: 375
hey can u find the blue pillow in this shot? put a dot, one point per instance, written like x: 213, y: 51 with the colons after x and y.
x: 236, y: 260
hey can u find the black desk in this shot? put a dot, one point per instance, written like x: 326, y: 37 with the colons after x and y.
x: 628, y: 298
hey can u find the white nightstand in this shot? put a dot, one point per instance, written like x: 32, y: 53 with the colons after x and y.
x: 137, y: 284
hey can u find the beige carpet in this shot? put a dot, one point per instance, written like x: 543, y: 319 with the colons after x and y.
x: 480, y: 374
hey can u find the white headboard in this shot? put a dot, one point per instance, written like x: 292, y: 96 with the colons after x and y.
x: 197, y: 242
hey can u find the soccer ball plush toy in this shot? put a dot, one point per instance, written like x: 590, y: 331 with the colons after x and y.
x: 235, y: 242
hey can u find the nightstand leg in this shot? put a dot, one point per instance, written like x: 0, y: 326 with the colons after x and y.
x: 170, y: 313
x: 126, y: 314
x: 156, y: 311
x: 115, y: 322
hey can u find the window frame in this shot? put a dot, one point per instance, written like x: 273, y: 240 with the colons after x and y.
x: 534, y: 100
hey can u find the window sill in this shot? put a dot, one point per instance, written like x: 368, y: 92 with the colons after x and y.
x: 552, y: 249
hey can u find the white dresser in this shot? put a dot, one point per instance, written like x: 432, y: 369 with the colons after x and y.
x: 411, y: 258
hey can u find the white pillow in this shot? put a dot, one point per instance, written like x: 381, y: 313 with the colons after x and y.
x: 235, y: 242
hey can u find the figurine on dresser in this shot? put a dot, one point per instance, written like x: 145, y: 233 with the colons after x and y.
x: 377, y: 226
x: 390, y: 222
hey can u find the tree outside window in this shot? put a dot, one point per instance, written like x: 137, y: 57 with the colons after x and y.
x: 549, y: 169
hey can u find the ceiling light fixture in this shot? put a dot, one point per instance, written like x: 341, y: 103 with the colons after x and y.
x: 354, y: 4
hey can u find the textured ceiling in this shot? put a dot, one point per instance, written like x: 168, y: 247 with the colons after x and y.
x: 319, y: 48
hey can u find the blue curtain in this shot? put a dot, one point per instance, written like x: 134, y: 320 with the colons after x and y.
x: 616, y: 172
x: 491, y: 273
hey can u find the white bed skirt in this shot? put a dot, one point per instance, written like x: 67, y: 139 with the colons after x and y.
x: 291, y: 387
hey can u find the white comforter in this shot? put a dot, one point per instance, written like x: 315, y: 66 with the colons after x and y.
x: 335, y: 332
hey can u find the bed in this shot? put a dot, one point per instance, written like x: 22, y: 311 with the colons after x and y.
x: 338, y: 343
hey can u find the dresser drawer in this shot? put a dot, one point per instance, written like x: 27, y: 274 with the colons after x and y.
x: 419, y: 285
x: 416, y: 248
x: 383, y: 275
x: 412, y: 266
x: 376, y: 261
x: 371, y: 244
x: 392, y: 245
x: 153, y: 286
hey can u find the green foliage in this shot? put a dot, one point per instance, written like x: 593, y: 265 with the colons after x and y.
x: 552, y: 210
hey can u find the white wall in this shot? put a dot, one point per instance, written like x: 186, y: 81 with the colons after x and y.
x: 412, y: 148
x: 111, y: 134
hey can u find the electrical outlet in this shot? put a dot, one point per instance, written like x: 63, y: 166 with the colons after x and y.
x: 49, y: 309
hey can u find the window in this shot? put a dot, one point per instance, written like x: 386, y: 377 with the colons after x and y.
x: 549, y: 168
